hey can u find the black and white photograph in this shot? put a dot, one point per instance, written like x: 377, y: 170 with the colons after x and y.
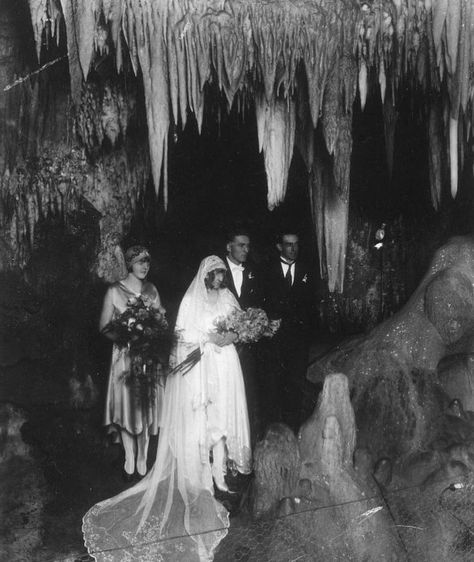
x: 236, y: 280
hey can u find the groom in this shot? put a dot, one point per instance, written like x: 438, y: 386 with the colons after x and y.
x: 242, y: 279
x: 245, y: 283
x: 290, y: 296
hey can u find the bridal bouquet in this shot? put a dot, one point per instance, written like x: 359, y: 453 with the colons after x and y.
x: 250, y: 326
x: 143, y: 330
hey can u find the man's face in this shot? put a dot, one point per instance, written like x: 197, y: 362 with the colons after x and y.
x: 289, y: 247
x: 238, y: 249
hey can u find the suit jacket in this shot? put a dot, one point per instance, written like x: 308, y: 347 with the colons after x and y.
x: 251, y: 293
x: 295, y: 305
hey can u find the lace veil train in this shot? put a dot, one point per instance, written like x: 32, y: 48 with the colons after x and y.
x: 170, y: 515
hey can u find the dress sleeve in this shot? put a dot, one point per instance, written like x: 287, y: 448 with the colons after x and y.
x: 230, y: 301
x: 152, y: 295
x: 189, y: 327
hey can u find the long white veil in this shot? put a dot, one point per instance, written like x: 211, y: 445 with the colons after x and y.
x: 171, y: 514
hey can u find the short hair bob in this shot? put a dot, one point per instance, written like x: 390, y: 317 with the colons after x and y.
x: 209, y: 279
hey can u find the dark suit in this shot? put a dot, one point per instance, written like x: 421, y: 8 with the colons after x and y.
x: 251, y: 295
x: 295, y: 306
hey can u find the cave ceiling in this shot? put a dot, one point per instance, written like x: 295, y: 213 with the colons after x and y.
x: 300, y: 64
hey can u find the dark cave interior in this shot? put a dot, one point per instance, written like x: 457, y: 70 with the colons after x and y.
x: 49, y: 342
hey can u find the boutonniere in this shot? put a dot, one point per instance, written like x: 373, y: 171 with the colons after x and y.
x: 250, y: 275
x: 305, y: 278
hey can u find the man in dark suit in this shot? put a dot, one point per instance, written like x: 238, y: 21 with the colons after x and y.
x: 242, y: 278
x: 245, y: 283
x: 290, y: 295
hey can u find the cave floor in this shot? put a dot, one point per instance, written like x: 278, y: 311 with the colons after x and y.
x: 62, y: 463
x: 67, y: 466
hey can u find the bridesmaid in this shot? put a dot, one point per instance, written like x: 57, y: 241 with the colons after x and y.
x: 125, y: 416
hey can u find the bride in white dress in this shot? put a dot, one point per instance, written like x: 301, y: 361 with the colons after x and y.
x: 172, y: 515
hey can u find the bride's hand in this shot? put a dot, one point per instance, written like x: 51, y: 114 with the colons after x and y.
x: 223, y: 339
x: 216, y: 339
x: 228, y: 338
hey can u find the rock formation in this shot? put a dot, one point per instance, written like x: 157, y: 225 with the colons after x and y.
x: 393, y: 370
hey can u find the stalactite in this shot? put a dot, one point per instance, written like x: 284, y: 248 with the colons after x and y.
x: 85, y: 16
x: 336, y: 217
x: 304, y: 134
x: 45, y: 16
x: 342, y: 156
x: 149, y: 23
x: 330, y: 212
x: 435, y: 139
x: 75, y: 71
x: 250, y: 46
x: 317, y: 182
x: 113, y: 14
x: 337, y: 119
x: 453, y: 155
x: 363, y: 83
x: 276, y: 134
x: 390, y: 116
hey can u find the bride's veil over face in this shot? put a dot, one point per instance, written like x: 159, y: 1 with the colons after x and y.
x: 188, y: 323
x: 197, y: 291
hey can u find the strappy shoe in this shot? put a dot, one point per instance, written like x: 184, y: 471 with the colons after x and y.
x: 218, y: 477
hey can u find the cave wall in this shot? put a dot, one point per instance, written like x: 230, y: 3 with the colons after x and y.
x: 81, y: 178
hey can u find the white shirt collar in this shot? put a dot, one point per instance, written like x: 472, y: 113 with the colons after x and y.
x: 235, y: 266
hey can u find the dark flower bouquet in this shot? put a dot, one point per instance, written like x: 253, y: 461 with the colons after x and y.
x: 250, y: 325
x: 144, y: 331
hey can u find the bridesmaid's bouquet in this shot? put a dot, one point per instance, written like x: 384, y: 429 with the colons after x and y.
x: 144, y: 332
x: 250, y: 325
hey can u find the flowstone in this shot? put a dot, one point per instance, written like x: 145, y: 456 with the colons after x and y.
x: 393, y: 371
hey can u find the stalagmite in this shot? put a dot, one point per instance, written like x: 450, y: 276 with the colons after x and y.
x: 333, y: 404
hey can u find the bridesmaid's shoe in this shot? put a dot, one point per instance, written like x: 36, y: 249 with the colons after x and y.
x: 220, y: 482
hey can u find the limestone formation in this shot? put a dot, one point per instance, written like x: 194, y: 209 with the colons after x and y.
x: 393, y: 370
x: 333, y: 512
x: 277, y: 465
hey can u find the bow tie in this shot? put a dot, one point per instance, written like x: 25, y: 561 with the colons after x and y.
x: 236, y: 267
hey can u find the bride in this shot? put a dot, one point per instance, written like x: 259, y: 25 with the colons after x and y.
x: 172, y: 514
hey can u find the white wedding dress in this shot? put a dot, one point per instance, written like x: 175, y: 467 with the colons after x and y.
x: 172, y: 515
